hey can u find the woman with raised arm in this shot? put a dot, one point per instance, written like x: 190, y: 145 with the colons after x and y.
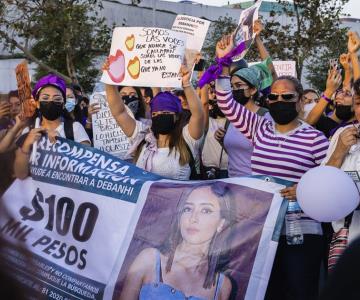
x: 165, y: 147
x: 284, y: 147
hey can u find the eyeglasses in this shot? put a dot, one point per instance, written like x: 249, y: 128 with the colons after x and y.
x: 285, y: 96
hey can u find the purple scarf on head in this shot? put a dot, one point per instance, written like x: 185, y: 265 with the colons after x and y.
x: 165, y: 101
x: 214, y: 71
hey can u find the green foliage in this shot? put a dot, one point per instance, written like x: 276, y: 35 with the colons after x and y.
x: 67, y: 35
x: 310, y: 35
x: 224, y: 25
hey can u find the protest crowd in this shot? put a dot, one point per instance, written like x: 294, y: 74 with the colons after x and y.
x: 234, y: 120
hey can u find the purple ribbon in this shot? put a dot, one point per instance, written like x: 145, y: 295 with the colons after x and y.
x: 214, y: 71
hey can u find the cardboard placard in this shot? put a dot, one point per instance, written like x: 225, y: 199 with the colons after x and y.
x: 24, y: 89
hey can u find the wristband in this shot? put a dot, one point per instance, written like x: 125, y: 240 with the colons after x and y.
x: 88, y: 122
x: 328, y: 100
x: 186, y: 85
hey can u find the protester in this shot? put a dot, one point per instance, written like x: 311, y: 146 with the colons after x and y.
x: 343, y: 98
x: 308, y: 101
x: 50, y: 94
x: 344, y: 153
x: 285, y: 148
x: 165, y: 148
x: 15, y: 103
x: 189, y: 261
x: 246, y: 85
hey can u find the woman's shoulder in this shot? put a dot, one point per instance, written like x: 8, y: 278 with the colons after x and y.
x: 146, y: 258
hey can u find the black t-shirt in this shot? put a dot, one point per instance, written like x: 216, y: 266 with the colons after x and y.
x: 326, y: 125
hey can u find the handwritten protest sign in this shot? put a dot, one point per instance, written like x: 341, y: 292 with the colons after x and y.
x: 244, y: 30
x: 24, y: 89
x: 195, y: 30
x: 85, y: 217
x: 285, y: 67
x: 107, y: 134
x: 143, y: 56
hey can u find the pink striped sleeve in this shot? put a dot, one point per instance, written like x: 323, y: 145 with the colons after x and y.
x: 243, y: 119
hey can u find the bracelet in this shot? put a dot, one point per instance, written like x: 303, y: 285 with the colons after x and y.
x: 24, y: 152
x: 187, y: 85
x: 88, y: 122
x: 328, y: 100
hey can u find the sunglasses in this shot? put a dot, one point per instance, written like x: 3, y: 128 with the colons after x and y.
x: 285, y: 96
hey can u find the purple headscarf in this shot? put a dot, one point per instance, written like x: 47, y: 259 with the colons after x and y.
x: 49, y: 80
x: 165, y: 101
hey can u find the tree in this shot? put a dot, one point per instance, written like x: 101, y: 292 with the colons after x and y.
x: 224, y: 25
x: 67, y: 35
x: 308, y: 33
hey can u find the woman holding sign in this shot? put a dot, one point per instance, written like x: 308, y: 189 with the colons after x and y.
x: 193, y: 258
x: 165, y: 147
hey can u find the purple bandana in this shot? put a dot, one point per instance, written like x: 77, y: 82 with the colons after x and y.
x: 51, y: 80
x: 214, y: 71
x: 165, y: 101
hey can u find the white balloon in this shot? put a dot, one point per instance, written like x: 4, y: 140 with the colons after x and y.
x: 327, y: 194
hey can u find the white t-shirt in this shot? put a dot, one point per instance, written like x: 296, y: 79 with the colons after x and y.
x: 80, y: 134
x: 212, y: 149
x: 351, y: 163
x: 167, y: 164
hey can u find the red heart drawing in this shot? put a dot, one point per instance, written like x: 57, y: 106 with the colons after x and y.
x: 117, y: 66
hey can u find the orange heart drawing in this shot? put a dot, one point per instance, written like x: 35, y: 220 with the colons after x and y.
x: 130, y: 42
x: 134, y: 68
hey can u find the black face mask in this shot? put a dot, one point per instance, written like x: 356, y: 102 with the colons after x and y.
x: 132, y: 102
x: 344, y: 112
x: 51, y: 110
x: 163, y: 124
x: 283, y: 112
x: 239, y: 96
x: 215, y: 111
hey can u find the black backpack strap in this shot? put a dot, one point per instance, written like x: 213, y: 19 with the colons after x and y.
x: 194, y: 175
x: 69, y: 129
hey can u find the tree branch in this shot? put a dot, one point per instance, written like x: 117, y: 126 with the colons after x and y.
x: 30, y: 56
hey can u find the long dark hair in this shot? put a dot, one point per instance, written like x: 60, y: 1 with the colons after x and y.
x: 176, y: 142
x: 217, y: 256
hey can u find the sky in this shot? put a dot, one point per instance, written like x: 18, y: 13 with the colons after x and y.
x: 352, y: 7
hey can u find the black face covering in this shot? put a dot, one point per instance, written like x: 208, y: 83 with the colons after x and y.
x: 283, y: 112
x: 163, y: 124
x: 344, y: 112
x: 239, y: 96
x: 51, y: 110
x: 132, y: 102
x: 215, y: 111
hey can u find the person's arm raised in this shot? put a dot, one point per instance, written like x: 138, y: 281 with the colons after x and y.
x: 332, y: 84
x: 197, y: 121
x: 353, y: 48
x: 264, y: 54
x: 243, y: 119
x: 345, y: 61
x: 117, y: 107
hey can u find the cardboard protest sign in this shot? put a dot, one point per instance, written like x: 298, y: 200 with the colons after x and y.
x: 85, y: 218
x: 244, y: 30
x: 285, y: 67
x: 24, y: 89
x: 195, y: 30
x: 282, y: 67
x: 107, y: 134
x: 143, y: 56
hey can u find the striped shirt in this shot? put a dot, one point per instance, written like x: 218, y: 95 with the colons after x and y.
x: 286, y: 156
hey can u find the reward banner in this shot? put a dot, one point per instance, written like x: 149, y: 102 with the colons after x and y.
x: 90, y: 226
x: 145, y: 56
